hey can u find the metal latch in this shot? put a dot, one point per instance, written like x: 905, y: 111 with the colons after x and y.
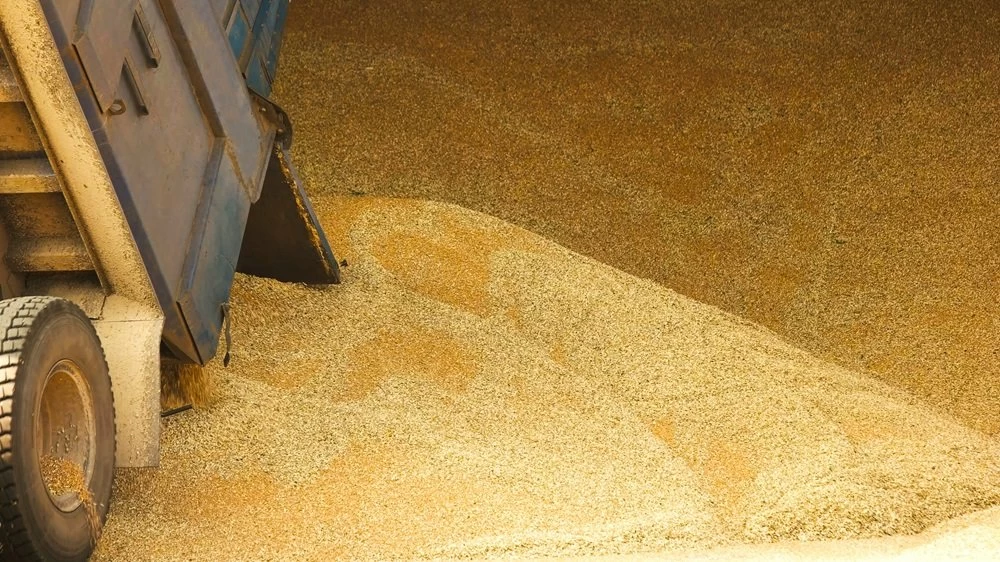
x: 227, y: 321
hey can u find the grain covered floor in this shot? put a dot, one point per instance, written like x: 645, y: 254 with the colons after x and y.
x: 475, y: 390
x: 826, y: 168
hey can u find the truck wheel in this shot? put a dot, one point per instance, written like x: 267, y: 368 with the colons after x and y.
x: 57, y: 431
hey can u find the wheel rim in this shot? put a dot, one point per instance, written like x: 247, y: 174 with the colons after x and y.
x: 65, y: 429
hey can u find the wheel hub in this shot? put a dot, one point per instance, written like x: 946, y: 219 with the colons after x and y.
x: 65, y: 433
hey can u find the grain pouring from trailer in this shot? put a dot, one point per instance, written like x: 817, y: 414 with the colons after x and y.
x: 141, y: 166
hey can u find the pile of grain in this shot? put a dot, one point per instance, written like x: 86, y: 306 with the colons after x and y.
x: 827, y: 169
x: 475, y: 390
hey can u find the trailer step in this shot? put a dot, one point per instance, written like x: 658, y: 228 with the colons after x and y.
x: 48, y: 254
x: 9, y: 91
x: 29, y: 175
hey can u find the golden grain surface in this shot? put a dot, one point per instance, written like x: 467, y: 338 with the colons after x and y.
x: 825, y: 168
x: 542, y: 404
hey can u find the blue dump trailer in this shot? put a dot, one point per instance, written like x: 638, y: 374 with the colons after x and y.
x: 142, y: 164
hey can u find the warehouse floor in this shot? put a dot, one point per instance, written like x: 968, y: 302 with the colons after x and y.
x: 475, y: 390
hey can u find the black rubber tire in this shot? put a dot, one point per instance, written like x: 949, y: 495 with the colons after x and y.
x: 36, y: 335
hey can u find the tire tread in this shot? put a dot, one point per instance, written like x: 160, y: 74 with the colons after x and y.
x: 17, y: 316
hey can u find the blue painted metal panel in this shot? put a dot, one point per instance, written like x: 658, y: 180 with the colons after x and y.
x: 257, y: 78
x: 252, y: 7
x: 239, y: 32
x: 175, y: 333
x: 261, y: 64
x: 278, y: 35
x: 212, y: 260
x: 189, y: 149
x: 186, y: 157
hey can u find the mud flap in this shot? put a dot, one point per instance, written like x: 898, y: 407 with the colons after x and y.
x: 283, y: 238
